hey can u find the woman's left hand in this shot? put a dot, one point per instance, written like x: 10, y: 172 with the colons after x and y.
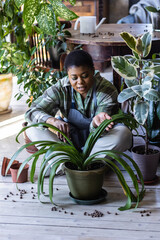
x: 99, y: 118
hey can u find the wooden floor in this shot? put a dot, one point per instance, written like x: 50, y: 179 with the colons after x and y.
x: 26, y: 218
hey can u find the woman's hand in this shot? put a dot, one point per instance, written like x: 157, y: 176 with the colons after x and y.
x: 99, y: 118
x: 61, y: 125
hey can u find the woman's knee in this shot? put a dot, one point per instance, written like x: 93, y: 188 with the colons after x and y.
x: 124, y: 138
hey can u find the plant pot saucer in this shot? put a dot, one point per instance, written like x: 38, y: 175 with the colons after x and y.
x: 99, y: 199
x: 150, y: 182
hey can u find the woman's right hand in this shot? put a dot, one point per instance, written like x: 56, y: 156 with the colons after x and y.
x: 61, y: 125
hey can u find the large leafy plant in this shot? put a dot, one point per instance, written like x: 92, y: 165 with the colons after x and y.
x: 141, y: 78
x: 45, y: 13
x: 56, y: 153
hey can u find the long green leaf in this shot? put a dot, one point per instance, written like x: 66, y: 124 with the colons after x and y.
x: 20, y: 150
x: 45, y: 125
x: 91, y: 140
x: 51, y: 178
x: 33, y: 168
x: 40, y: 152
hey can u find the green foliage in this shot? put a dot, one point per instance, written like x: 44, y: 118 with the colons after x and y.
x: 152, y: 9
x: 11, y: 57
x: 18, y: 57
x: 46, y: 13
x: 55, y: 153
x: 141, y: 77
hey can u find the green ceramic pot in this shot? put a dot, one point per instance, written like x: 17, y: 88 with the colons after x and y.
x: 85, y: 185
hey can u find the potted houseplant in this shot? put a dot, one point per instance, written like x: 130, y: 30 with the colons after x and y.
x: 155, y: 17
x: 10, y: 58
x: 141, y: 77
x: 17, y: 23
x: 77, y: 163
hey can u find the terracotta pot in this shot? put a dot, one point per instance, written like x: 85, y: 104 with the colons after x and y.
x: 147, y: 164
x: 85, y: 185
x: 23, y: 176
x: 5, y: 164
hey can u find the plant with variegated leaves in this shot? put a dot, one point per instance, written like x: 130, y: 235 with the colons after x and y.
x: 141, y: 78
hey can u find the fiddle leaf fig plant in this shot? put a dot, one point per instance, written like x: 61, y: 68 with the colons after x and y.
x: 56, y: 153
x: 141, y: 78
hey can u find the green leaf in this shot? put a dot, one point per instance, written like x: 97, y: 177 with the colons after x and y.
x: 19, y: 3
x: 51, y: 178
x: 156, y: 69
x: 150, y: 117
x: 62, y: 11
x: 152, y: 95
x: 124, y: 68
x: 138, y: 90
x: 47, y: 19
x: 139, y: 47
x: 141, y: 112
x: 31, y: 9
x: 158, y: 110
x: 146, y: 43
x: 151, y: 9
x: 72, y: 2
x: 126, y: 94
x: 131, y: 83
x: 129, y: 39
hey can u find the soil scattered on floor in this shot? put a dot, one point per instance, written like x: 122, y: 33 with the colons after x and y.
x: 145, y: 213
x: 96, y: 213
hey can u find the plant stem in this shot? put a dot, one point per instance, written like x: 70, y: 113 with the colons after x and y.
x: 146, y: 139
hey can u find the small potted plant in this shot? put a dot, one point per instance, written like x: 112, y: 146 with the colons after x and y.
x: 141, y: 78
x: 155, y: 16
x: 81, y: 165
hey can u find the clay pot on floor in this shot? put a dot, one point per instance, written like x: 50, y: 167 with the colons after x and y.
x: 23, y: 176
x: 5, y: 164
x: 147, y: 164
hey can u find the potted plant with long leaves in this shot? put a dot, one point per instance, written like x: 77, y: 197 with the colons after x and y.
x: 81, y: 162
x: 141, y: 78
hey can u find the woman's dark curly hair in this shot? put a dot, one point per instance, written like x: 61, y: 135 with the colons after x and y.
x: 78, y: 58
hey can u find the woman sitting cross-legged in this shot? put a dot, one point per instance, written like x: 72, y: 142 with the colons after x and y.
x: 85, y: 99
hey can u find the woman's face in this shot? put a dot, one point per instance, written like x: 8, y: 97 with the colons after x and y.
x: 81, y: 79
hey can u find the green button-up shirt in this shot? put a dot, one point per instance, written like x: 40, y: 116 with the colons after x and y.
x: 58, y: 97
